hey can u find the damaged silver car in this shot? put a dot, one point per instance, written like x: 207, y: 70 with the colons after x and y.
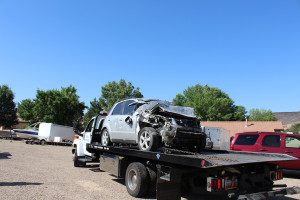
x: 152, y: 124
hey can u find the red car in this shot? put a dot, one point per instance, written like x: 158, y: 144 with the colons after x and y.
x: 270, y: 143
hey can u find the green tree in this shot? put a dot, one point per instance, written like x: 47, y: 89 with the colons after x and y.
x: 113, y: 92
x: 8, y: 111
x: 210, y: 103
x: 295, y: 128
x: 25, y: 110
x: 59, y: 107
x: 53, y: 106
x: 261, y: 115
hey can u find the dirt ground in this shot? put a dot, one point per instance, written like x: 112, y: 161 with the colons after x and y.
x: 47, y: 172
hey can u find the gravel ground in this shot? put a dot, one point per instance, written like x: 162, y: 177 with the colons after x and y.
x: 47, y: 172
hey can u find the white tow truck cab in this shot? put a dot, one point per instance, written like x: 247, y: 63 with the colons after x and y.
x: 80, y: 154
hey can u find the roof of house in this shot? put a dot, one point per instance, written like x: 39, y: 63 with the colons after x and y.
x: 288, y: 117
x: 240, y: 126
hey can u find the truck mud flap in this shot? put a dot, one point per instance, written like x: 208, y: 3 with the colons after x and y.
x: 168, y: 185
x: 266, y: 195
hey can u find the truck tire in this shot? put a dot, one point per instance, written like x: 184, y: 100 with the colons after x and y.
x: 77, y: 163
x: 105, y: 138
x: 42, y: 142
x: 148, y: 139
x: 137, y: 179
x: 152, y: 183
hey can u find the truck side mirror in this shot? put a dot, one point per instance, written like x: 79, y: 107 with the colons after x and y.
x: 103, y: 113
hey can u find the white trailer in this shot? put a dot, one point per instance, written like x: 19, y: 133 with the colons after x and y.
x: 219, y: 137
x: 53, y: 133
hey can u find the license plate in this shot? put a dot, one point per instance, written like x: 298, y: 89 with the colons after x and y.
x: 231, y: 183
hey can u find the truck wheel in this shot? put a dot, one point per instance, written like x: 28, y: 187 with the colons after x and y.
x: 77, y: 163
x: 136, y: 179
x: 42, y: 142
x: 105, y: 139
x: 148, y: 139
x: 152, y: 184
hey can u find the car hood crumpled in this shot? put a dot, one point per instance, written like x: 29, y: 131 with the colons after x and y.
x: 167, y: 107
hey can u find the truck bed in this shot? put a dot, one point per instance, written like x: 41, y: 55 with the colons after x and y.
x: 205, y: 159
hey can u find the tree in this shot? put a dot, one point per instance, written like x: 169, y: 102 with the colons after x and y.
x: 53, y: 106
x: 210, y: 103
x: 261, y: 115
x: 94, y: 109
x: 25, y: 110
x: 113, y: 92
x: 8, y: 111
x: 295, y: 128
x: 59, y: 107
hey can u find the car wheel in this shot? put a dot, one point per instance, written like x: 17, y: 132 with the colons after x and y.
x: 105, y: 139
x: 136, y: 179
x: 148, y: 139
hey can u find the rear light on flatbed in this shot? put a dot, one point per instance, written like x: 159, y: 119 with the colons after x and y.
x: 221, y: 184
x: 276, y: 175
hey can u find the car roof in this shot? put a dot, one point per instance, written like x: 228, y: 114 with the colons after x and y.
x: 264, y: 133
x: 136, y: 99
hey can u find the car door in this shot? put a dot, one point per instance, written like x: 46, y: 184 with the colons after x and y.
x: 127, y: 122
x: 271, y: 143
x: 291, y: 147
x: 113, y: 122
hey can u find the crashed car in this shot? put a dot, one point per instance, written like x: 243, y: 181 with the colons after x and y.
x: 152, y: 124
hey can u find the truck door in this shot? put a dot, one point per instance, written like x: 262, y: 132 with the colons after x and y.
x: 292, y: 148
x: 87, y: 136
x: 127, y: 122
x: 271, y: 144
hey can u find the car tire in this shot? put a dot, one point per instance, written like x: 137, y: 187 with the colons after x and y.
x: 148, y: 139
x: 105, y: 138
x: 137, y: 179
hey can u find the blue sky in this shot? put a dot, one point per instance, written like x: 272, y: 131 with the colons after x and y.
x: 250, y: 49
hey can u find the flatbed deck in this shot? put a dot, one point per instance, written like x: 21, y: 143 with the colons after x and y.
x: 205, y: 159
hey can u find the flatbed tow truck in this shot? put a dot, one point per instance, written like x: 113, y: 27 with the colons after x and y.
x: 168, y: 172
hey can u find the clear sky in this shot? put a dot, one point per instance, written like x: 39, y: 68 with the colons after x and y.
x: 250, y: 49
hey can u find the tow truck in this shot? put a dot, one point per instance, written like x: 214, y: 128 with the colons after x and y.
x: 167, y: 172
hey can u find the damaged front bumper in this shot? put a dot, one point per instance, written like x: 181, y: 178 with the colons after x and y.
x: 183, y: 137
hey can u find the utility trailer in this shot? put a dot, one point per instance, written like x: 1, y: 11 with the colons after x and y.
x: 53, y: 134
x: 238, y: 175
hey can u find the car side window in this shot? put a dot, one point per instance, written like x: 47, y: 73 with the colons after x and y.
x: 118, y: 109
x: 128, y: 109
x: 271, y: 141
x: 292, y: 142
x: 89, y: 126
x: 246, y: 139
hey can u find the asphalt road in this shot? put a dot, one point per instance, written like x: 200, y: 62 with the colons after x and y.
x: 47, y: 172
